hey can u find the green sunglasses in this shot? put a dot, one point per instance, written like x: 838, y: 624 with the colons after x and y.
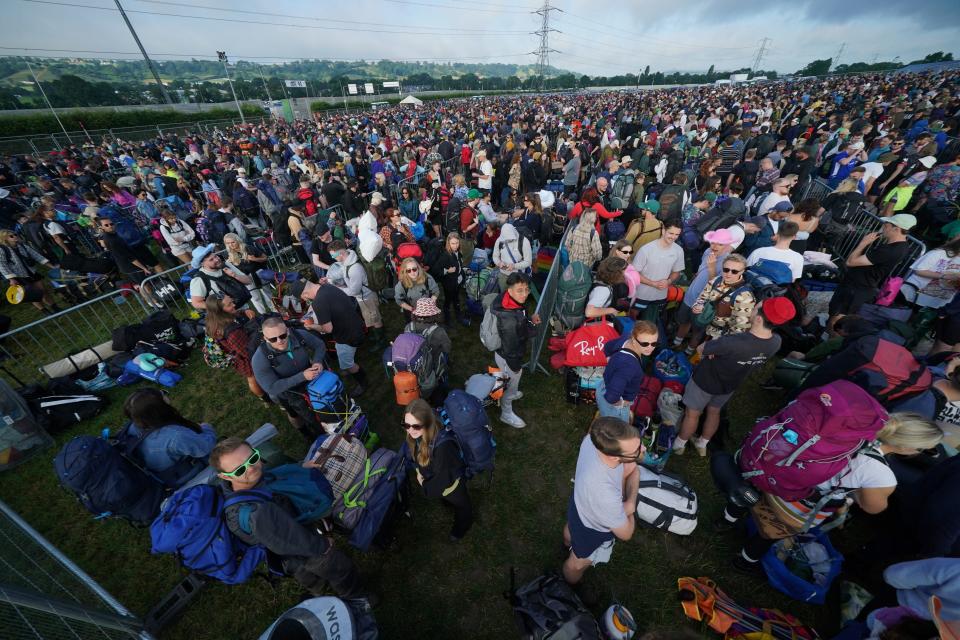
x: 242, y: 469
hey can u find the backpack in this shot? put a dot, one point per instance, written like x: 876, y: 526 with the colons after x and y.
x: 613, y: 230
x: 889, y: 370
x: 306, y: 489
x: 549, y: 608
x: 107, y: 481
x: 341, y: 458
x: 327, y: 398
x: 572, y: 291
x: 227, y: 286
x: 643, y: 229
x: 383, y: 503
x: 671, y: 201
x: 377, y: 278
x: 124, y: 227
x: 412, y: 352
x: 214, y: 355
x: 409, y: 250
x: 349, y: 508
x: 489, y: 331
x: 622, y: 190
x: 465, y: 419
x: 721, y: 216
x: 305, y: 196
x: 768, y: 278
x: 57, y: 412
x: 810, y: 440
x: 192, y: 527
x: 451, y: 220
x: 666, y: 502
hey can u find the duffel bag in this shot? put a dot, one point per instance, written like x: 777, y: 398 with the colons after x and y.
x: 666, y: 502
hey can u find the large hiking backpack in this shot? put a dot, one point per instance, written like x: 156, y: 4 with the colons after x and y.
x: 384, y: 504
x: 720, y: 216
x: 671, y: 201
x: 193, y: 528
x: 490, y: 330
x: 613, y: 230
x: 622, y: 189
x: 810, y: 440
x: 411, y: 351
x: 107, y: 481
x: 327, y: 398
x: 768, y: 279
x: 890, y: 372
x: 451, y: 218
x: 349, y: 507
x: 465, y: 419
x: 377, y: 277
x: 572, y: 292
x: 307, y: 489
x: 341, y: 458
x: 549, y: 608
x: 124, y: 226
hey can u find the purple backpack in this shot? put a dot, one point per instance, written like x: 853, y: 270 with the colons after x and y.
x: 810, y: 440
x: 406, y: 351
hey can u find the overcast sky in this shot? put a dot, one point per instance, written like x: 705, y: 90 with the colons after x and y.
x: 596, y: 37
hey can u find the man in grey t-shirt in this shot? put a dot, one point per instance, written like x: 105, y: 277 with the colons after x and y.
x: 659, y: 264
x: 604, y: 502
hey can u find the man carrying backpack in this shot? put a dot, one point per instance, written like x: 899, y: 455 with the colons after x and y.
x: 302, y: 552
x: 283, y: 363
x: 134, y: 263
x: 216, y: 276
x: 597, y: 513
x: 515, y: 330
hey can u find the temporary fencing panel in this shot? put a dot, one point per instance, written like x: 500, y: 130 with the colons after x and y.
x: 545, y: 306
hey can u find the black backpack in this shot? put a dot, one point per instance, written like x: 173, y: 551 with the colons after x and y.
x: 107, y: 481
x: 227, y: 285
x: 451, y: 221
x: 548, y: 607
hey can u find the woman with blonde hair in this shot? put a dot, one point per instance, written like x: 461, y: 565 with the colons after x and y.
x: 250, y: 260
x: 17, y: 264
x: 452, y: 276
x: 867, y: 481
x: 438, y: 463
x: 413, y: 283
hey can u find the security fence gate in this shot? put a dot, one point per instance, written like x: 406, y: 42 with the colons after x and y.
x: 45, y: 596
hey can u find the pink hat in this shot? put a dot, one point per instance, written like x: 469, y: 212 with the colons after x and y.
x: 719, y: 236
x: 426, y: 308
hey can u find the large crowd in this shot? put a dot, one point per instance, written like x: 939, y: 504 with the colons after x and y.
x: 708, y: 230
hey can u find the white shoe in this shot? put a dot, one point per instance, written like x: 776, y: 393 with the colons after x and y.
x: 678, y: 450
x: 513, y: 420
x: 518, y: 396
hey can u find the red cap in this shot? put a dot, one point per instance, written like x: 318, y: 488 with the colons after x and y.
x: 778, y: 310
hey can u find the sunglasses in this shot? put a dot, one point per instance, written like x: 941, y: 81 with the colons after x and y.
x: 647, y: 344
x: 625, y: 251
x: 282, y: 336
x: 407, y: 426
x: 733, y: 271
x: 242, y: 469
x: 414, y: 270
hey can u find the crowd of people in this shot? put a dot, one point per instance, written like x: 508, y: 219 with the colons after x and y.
x: 704, y: 218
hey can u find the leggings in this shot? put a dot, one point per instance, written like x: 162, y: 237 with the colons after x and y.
x: 451, y: 298
x: 459, y: 499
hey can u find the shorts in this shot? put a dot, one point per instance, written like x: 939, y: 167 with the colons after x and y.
x: 346, y: 356
x: 586, y: 543
x: 847, y: 299
x: 684, y: 314
x: 697, y: 399
x: 370, y: 310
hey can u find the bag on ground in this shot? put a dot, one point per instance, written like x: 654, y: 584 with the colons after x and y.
x: 547, y: 607
x: 666, y: 502
x: 341, y: 459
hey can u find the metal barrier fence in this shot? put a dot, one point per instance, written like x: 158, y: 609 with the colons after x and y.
x: 44, y: 595
x: 545, y: 306
x: 817, y: 189
x: 864, y: 222
x: 25, y: 350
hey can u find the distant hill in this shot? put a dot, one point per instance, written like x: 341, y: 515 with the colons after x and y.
x: 14, y: 71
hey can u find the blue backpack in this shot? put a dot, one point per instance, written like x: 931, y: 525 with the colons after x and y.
x: 326, y: 397
x: 307, y: 489
x: 387, y: 499
x: 124, y: 227
x: 614, y: 230
x: 108, y: 482
x: 768, y: 278
x: 465, y: 419
x: 192, y: 527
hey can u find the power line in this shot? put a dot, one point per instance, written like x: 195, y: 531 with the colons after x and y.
x: 241, y: 56
x: 459, y: 33
x: 446, y: 6
x: 281, y: 15
x: 652, y: 39
x: 836, y: 57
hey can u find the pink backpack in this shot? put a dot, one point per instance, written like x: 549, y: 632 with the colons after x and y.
x: 810, y: 440
x: 888, y: 292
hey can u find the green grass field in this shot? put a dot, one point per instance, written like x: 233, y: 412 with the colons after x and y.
x: 429, y: 587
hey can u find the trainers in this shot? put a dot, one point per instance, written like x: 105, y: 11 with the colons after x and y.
x: 721, y: 525
x: 518, y: 396
x: 746, y: 567
x: 513, y: 420
x: 701, y: 446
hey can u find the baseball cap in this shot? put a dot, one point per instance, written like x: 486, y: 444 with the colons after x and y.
x: 905, y: 221
x: 778, y: 310
x: 782, y: 206
x: 626, y: 160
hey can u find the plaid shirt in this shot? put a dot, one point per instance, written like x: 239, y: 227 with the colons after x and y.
x: 15, y: 263
x: 583, y: 243
x: 742, y: 308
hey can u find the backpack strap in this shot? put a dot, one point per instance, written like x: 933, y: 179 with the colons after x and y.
x: 634, y: 354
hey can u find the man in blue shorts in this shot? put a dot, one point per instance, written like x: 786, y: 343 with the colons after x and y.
x: 604, y: 502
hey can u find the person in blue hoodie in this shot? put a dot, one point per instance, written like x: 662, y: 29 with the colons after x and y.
x: 171, y: 447
x: 624, y: 371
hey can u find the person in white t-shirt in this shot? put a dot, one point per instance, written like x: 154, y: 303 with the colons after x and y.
x: 780, y: 193
x: 485, y: 175
x: 935, y: 276
x: 781, y: 251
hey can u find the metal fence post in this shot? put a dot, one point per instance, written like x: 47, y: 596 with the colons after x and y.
x: 545, y: 307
